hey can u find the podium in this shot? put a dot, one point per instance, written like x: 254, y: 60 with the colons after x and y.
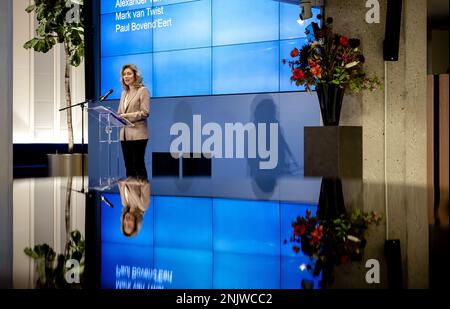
x: 109, y: 125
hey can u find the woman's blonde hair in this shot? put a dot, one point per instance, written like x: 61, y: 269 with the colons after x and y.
x: 139, y: 81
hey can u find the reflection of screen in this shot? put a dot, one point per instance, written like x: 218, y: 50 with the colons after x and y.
x: 189, y: 242
x: 200, y: 47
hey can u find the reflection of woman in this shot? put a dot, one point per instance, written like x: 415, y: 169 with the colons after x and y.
x: 134, y: 106
x: 135, y: 196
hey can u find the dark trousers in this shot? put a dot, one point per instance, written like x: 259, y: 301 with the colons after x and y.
x: 134, y: 157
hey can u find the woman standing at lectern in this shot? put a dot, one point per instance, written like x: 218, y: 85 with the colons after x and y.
x: 135, y: 107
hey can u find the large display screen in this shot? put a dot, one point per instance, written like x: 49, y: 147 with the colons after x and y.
x: 200, y: 47
x: 192, y: 242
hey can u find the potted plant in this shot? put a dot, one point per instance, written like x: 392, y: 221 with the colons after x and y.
x: 61, y: 22
x: 332, y: 64
x: 54, y: 276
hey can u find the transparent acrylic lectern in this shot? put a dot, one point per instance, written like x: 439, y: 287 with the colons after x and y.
x: 109, y: 125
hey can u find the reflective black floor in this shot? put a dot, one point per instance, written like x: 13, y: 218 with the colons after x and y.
x: 199, y: 233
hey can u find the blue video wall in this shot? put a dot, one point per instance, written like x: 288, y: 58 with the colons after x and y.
x: 191, y: 242
x: 200, y: 47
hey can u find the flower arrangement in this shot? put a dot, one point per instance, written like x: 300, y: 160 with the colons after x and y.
x: 330, y: 242
x: 330, y: 58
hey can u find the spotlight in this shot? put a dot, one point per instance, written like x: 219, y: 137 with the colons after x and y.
x: 305, y: 9
x: 306, y: 6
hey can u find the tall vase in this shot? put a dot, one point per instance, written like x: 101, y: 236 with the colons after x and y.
x: 331, y: 206
x: 331, y: 199
x: 330, y: 100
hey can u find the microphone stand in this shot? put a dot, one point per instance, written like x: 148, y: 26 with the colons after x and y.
x: 82, y: 104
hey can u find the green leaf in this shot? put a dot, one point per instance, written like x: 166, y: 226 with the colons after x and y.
x: 31, y: 253
x: 41, y: 271
x: 30, y: 8
x: 79, y: 29
x: 75, y: 60
x: 30, y: 44
x: 76, y: 236
x: 41, y: 29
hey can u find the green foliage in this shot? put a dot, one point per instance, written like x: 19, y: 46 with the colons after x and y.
x: 58, y: 23
x: 51, y: 276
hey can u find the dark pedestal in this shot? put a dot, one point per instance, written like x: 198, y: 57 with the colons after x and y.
x: 333, y: 151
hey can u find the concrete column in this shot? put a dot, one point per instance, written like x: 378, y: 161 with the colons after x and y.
x: 406, y: 135
x: 394, y: 127
x: 6, y: 143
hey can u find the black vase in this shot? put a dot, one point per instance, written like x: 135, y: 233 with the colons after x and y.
x: 331, y: 206
x: 330, y: 100
x: 331, y: 200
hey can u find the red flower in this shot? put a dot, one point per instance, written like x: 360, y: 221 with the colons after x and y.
x: 299, y: 230
x: 283, y: 61
x: 316, y: 234
x: 343, y: 40
x: 294, y: 53
x: 344, y: 259
x: 298, y: 74
x: 296, y: 249
x: 313, y: 64
x: 316, y: 71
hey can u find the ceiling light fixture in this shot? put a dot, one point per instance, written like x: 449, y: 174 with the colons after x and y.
x: 306, y: 8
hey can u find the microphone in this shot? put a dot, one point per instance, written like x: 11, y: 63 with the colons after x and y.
x: 103, y: 97
x: 106, y: 201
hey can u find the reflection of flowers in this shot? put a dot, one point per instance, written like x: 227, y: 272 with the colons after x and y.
x: 316, y: 235
x: 331, y: 242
